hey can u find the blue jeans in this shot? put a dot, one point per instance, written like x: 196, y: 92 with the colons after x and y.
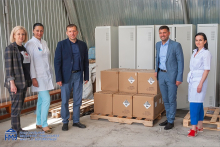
x: 196, y: 112
x: 76, y: 83
x: 169, y: 92
x: 43, y: 104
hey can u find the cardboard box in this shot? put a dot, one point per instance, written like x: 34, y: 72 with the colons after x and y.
x: 103, y: 102
x: 123, y: 104
x: 147, y: 82
x: 147, y: 106
x: 109, y: 80
x: 128, y: 80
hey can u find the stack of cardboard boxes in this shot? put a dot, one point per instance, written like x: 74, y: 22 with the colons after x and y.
x: 130, y: 93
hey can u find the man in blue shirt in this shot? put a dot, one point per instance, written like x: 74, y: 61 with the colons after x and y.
x: 169, y: 72
x: 71, y: 62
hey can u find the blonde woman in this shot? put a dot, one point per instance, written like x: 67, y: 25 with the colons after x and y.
x: 41, y: 75
x: 17, y: 79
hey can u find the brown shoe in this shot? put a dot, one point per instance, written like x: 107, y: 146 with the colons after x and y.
x: 39, y: 127
x: 47, y: 131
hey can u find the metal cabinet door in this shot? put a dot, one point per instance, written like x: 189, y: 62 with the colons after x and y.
x: 145, y: 47
x: 127, y: 47
x: 185, y: 38
x: 103, y: 52
x: 211, y: 34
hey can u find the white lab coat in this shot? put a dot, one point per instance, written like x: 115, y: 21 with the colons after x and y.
x: 40, y: 64
x: 199, y: 63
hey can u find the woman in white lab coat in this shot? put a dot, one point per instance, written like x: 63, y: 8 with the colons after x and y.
x: 41, y: 75
x: 200, y: 63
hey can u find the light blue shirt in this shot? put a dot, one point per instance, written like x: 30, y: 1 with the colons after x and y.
x: 163, y: 55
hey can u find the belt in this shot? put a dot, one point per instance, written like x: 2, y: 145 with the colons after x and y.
x: 75, y: 71
x: 163, y: 70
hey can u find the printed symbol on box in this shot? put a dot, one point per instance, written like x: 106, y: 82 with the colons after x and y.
x: 11, y: 134
x: 131, y: 80
x: 147, y: 105
x: 126, y: 103
x: 151, y: 81
x: 155, y: 104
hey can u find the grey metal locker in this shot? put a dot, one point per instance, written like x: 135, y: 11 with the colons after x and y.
x: 212, y: 33
x: 106, y: 45
x: 127, y: 47
x: 145, y: 47
x: 185, y: 35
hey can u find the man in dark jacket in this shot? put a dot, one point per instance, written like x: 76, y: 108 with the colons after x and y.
x: 70, y: 62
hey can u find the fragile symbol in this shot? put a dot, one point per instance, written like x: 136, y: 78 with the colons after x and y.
x: 126, y: 103
x: 147, y: 105
x: 151, y: 81
x: 131, y: 80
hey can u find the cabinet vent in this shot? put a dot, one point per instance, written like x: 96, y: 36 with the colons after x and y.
x: 188, y: 35
x: 213, y: 35
x: 149, y: 36
x: 131, y: 36
x: 107, y: 36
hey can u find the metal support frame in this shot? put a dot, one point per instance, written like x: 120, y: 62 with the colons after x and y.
x: 8, y: 25
x: 185, y: 13
x: 72, y: 15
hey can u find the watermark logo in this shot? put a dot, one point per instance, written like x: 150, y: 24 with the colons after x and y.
x: 11, y: 134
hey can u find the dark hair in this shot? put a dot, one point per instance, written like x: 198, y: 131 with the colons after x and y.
x: 164, y: 27
x: 71, y: 25
x: 204, y: 37
x: 38, y: 24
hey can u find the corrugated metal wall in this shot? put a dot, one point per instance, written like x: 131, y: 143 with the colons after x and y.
x: 50, y: 13
x: 204, y: 11
x: 92, y: 13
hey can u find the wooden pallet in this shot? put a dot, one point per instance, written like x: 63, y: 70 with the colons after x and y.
x: 212, y: 120
x: 127, y: 120
x: 87, y: 105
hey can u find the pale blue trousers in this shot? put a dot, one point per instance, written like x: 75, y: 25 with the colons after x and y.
x: 43, y: 104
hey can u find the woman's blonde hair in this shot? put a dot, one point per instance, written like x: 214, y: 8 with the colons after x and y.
x: 14, y: 30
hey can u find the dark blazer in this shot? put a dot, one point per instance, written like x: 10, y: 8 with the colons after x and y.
x: 13, y: 67
x: 174, y: 61
x: 63, y: 60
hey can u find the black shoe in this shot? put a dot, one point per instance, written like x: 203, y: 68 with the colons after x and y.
x: 79, y: 125
x: 163, y: 123
x: 169, y: 126
x: 65, y: 127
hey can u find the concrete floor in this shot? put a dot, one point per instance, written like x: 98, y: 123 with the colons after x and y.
x: 105, y: 133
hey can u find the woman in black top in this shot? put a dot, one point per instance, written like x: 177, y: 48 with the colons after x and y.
x: 17, y: 66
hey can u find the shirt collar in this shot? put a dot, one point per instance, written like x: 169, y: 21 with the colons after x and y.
x: 195, y: 50
x: 36, y: 39
x: 72, y: 42
x: 166, y: 42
